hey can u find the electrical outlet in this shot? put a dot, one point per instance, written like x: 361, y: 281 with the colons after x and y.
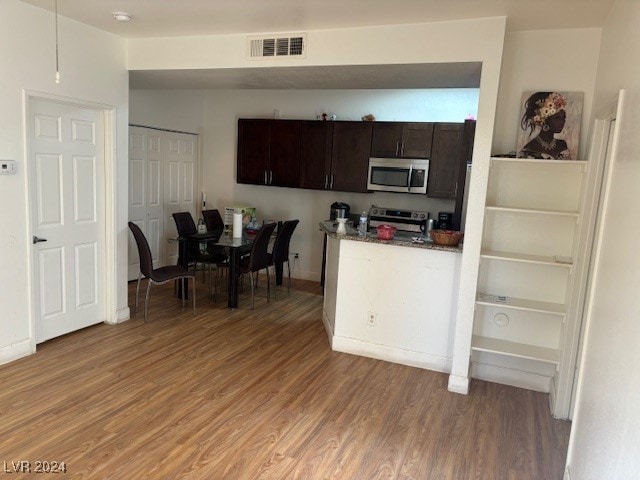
x: 296, y: 255
x: 372, y: 319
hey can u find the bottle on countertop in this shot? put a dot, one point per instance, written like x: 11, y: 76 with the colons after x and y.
x: 362, y: 226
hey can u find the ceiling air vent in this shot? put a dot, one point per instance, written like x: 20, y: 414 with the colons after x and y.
x: 260, y: 48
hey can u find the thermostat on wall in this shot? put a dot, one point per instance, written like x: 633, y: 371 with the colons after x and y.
x: 7, y: 167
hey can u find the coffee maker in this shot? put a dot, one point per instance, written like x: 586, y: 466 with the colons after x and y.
x: 339, y: 210
x: 445, y: 221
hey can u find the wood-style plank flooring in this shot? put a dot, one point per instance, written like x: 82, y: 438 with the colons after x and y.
x: 258, y: 395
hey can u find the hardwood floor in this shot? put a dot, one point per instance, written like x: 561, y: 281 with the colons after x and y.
x: 258, y: 395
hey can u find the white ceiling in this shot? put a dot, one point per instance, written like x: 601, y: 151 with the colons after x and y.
x: 168, y: 18
x: 163, y: 18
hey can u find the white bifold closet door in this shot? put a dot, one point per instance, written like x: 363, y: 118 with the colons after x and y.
x: 162, y: 180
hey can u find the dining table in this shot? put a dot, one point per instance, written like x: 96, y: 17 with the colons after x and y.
x: 235, y: 248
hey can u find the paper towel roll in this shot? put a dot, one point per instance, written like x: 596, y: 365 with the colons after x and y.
x: 237, y: 225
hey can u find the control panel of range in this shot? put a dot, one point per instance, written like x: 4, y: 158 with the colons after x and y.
x: 407, y: 220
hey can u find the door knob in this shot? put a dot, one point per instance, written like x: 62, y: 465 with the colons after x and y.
x: 38, y: 239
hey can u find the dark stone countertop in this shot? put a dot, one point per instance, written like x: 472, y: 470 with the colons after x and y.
x: 403, y: 240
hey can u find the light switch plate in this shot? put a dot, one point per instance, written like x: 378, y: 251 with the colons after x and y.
x: 7, y: 167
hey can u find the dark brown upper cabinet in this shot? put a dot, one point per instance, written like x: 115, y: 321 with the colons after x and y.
x: 254, y: 137
x: 315, y: 157
x: 284, y: 162
x: 444, y: 165
x: 350, y: 156
x: 401, y: 139
x: 269, y: 152
x: 335, y: 155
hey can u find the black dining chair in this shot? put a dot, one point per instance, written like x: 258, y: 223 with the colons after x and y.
x: 159, y: 275
x: 194, y: 254
x: 280, y: 252
x: 258, y: 259
x: 213, y: 220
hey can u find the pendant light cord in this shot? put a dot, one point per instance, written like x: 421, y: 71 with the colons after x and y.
x: 57, y: 61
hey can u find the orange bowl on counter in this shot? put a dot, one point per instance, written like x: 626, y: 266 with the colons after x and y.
x: 386, y: 232
x: 449, y: 238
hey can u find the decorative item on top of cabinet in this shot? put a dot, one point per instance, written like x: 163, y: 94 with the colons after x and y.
x: 401, y: 139
x: 269, y: 152
x: 529, y: 243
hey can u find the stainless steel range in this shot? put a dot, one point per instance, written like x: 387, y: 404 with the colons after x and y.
x: 412, y: 221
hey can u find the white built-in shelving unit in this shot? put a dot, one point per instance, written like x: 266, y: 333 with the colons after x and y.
x: 529, y: 247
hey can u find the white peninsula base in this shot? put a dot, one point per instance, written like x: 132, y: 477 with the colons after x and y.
x: 391, y: 302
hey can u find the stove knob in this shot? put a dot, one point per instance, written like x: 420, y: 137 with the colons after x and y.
x: 414, y: 215
x: 422, y: 216
x: 374, y: 211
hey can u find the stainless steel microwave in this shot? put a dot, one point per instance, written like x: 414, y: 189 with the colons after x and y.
x: 406, y: 175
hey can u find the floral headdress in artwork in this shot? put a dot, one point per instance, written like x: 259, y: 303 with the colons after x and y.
x: 548, y: 107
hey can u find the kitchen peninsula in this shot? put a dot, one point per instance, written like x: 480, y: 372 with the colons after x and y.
x: 393, y: 300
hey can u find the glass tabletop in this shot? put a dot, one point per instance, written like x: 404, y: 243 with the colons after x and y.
x: 223, y: 239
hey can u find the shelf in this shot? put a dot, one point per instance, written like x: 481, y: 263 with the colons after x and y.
x: 522, y: 304
x: 556, y: 261
x: 512, y: 349
x: 535, y: 211
x: 537, y: 160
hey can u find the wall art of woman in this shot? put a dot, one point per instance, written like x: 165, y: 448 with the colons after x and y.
x: 546, y: 131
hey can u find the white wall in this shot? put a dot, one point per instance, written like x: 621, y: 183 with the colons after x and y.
x: 559, y: 60
x: 605, y: 437
x: 92, y: 66
x: 181, y: 110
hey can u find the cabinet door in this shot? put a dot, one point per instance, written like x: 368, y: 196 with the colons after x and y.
x: 445, y: 160
x: 416, y: 140
x: 350, y: 156
x: 386, y: 139
x: 315, y: 160
x: 284, y: 154
x: 253, y: 150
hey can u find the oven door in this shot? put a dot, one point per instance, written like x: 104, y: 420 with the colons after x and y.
x: 398, y: 175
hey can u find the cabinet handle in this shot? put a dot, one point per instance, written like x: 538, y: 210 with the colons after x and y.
x: 397, y: 146
x: 326, y: 181
x: 265, y: 177
x: 331, y: 186
x: 402, y: 149
x: 270, y: 177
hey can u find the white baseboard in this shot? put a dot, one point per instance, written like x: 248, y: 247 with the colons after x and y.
x: 121, y: 315
x: 458, y: 384
x: 304, y: 275
x: 510, y: 376
x: 16, y: 350
x: 391, y: 354
x: 327, y: 327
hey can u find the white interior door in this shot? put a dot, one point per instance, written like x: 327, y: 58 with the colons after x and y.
x: 66, y: 154
x: 146, y: 194
x: 179, y: 185
x: 162, y: 181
